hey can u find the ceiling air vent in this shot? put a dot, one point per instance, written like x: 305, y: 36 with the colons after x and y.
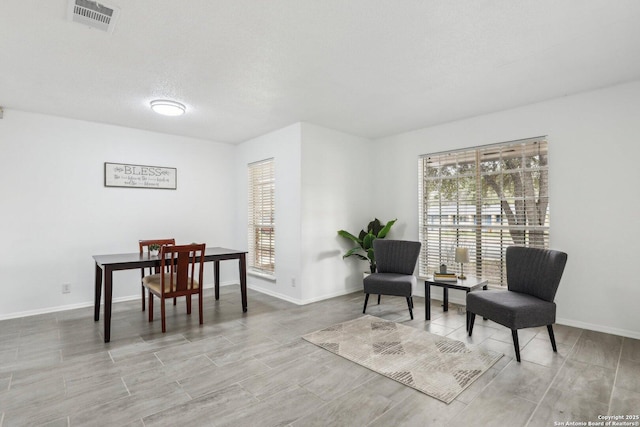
x: 94, y: 14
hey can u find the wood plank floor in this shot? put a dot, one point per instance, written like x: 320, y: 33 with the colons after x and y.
x: 253, y: 369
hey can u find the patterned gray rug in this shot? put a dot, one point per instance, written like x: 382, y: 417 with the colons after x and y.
x: 435, y: 365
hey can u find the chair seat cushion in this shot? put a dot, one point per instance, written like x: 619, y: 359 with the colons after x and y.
x: 389, y: 284
x: 154, y: 282
x: 512, y: 309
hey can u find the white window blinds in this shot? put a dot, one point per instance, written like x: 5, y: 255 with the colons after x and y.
x: 262, y: 216
x: 484, y: 199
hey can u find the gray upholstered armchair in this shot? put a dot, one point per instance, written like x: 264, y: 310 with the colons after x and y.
x: 395, y: 261
x: 533, y: 276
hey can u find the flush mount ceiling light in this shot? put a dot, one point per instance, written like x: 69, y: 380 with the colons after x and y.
x: 168, y: 108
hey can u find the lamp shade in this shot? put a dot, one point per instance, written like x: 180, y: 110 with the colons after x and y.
x: 462, y: 255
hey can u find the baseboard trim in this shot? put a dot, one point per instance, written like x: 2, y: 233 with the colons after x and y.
x: 574, y: 323
x: 599, y: 328
x: 301, y: 301
x: 86, y: 304
x: 274, y: 294
x: 561, y: 321
x: 48, y: 310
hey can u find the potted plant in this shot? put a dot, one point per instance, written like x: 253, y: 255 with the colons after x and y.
x: 154, y: 248
x: 364, y: 250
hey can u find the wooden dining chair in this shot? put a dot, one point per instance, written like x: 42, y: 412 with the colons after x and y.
x: 181, y: 271
x: 145, y: 244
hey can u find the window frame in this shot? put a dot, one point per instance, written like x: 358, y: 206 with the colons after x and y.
x: 261, y: 217
x: 505, y: 182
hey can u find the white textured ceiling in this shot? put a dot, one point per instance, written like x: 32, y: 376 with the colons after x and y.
x: 366, y: 67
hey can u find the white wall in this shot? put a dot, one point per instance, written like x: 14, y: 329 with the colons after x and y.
x: 594, y: 195
x: 52, y: 197
x: 56, y: 212
x: 336, y: 194
x: 284, y: 147
x: 321, y: 187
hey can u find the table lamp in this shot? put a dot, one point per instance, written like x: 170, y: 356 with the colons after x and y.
x: 462, y: 256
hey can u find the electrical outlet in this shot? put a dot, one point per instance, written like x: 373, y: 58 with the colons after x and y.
x: 66, y: 288
x: 293, y: 282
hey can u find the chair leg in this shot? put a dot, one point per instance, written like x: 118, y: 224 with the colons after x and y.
x: 366, y: 299
x: 164, y: 317
x: 553, y: 338
x: 516, y: 344
x: 410, y: 307
x: 200, y: 308
x: 174, y: 301
x: 188, y: 297
x: 379, y: 299
x: 150, y: 307
x: 144, y: 297
x: 472, y: 318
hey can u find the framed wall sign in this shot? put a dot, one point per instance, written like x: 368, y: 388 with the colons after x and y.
x: 139, y: 176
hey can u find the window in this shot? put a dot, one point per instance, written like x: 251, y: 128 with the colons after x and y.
x: 485, y: 199
x: 262, y: 251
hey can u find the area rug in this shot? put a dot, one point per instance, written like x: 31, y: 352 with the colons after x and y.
x: 437, y: 366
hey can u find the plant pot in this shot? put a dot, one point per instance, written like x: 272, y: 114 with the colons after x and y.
x: 154, y: 252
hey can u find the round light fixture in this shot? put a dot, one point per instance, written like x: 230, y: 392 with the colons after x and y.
x: 168, y: 108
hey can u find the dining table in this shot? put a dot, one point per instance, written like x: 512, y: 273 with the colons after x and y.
x: 107, y: 264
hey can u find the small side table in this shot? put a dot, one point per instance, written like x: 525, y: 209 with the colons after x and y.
x: 468, y: 285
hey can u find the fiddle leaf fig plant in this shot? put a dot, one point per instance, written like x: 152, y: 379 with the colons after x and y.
x: 364, y: 250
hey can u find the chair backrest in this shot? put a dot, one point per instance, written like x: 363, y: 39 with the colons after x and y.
x: 162, y: 242
x: 146, y: 243
x: 535, y: 271
x: 396, y: 256
x: 184, y: 264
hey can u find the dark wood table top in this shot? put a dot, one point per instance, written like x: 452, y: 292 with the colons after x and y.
x: 136, y: 257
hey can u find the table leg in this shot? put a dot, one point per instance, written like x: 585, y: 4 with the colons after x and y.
x: 427, y: 301
x: 216, y: 278
x: 108, y: 279
x: 243, y: 281
x: 98, y: 293
x: 445, y: 298
x: 484, y: 288
x: 468, y: 315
